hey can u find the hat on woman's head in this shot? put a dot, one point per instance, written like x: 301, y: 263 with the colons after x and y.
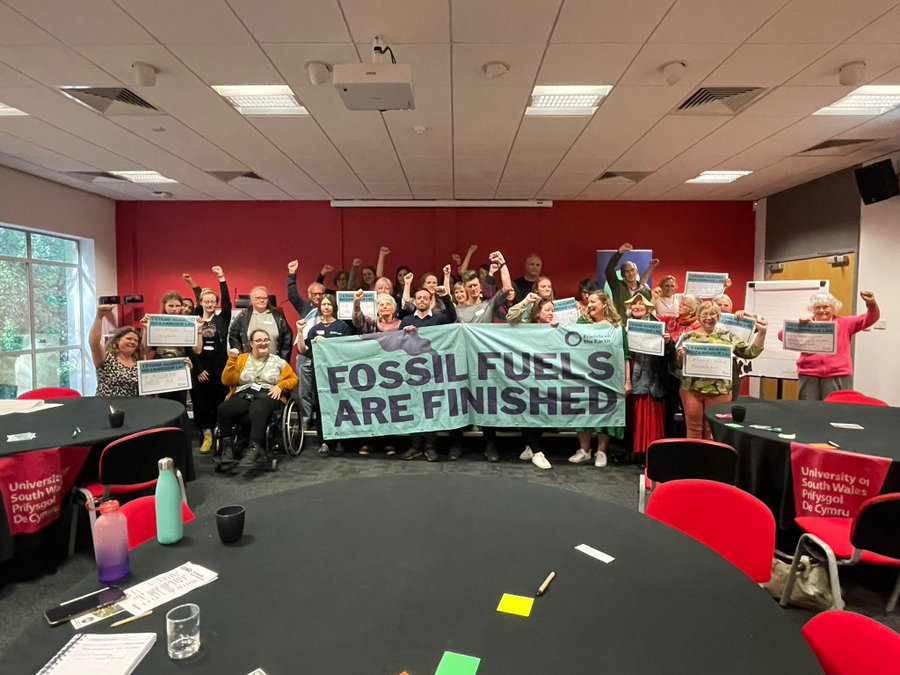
x: 637, y: 297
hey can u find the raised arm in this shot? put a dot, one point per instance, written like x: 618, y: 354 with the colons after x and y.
x: 194, y: 287
x: 505, y: 279
x: 647, y: 272
x: 448, y: 282
x: 464, y: 265
x: 379, y: 266
x: 354, y: 273
x: 449, y: 308
x: 224, y: 295
x: 610, y: 271
x: 98, y: 354
x: 294, y: 296
x: 407, y: 286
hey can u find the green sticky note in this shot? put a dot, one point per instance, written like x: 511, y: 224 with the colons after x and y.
x: 519, y: 605
x: 735, y: 425
x: 457, y: 664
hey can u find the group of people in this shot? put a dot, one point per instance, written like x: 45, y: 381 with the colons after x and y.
x: 242, y: 367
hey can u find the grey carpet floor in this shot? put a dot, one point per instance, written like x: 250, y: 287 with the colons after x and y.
x: 21, y: 603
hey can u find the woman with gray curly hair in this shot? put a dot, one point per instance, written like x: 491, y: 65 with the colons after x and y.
x: 823, y: 374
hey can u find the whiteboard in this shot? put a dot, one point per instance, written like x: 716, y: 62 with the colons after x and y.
x: 776, y: 301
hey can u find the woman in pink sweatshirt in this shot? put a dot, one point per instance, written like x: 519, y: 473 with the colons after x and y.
x: 822, y: 374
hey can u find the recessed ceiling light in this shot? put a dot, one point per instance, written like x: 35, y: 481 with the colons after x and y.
x: 262, y: 99
x: 7, y: 111
x: 142, y: 176
x: 719, y: 176
x: 566, y: 99
x: 869, y: 101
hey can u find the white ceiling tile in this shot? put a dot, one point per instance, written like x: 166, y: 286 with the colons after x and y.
x: 228, y: 64
x: 486, y: 120
x: 281, y: 172
x: 432, y: 191
x: 65, y: 143
x: 291, y: 60
x: 292, y: 21
x: 15, y: 29
x: 13, y: 78
x: 604, y: 20
x: 885, y: 30
x: 586, y: 63
x: 892, y: 77
x: 117, y: 59
x: 819, y: 21
x: 11, y: 144
x: 497, y: 21
x: 428, y: 170
x: 670, y: 137
x: 398, y: 20
x: 700, y: 61
x: 389, y: 190
x: 879, y: 59
x: 55, y: 65
x: 755, y: 65
x: 603, y: 190
x: 83, y: 22
x: 468, y: 60
x: 729, y: 21
x: 883, y: 126
x: 791, y: 101
x: 523, y: 191
x: 182, y: 23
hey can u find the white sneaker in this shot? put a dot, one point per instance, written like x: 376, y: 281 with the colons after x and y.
x: 600, y: 459
x: 580, y: 456
x: 540, y: 461
x: 526, y: 454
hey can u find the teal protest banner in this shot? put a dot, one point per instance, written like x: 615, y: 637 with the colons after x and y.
x: 447, y: 377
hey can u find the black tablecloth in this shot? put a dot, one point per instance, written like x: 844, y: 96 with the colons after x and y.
x: 764, y: 459
x: 54, y: 428
x: 378, y: 576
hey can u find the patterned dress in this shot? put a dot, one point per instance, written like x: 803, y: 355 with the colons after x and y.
x: 114, y: 379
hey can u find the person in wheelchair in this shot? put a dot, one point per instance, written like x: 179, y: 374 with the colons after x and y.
x: 258, y: 382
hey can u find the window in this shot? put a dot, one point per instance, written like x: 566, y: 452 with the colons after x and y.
x: 41, y: 315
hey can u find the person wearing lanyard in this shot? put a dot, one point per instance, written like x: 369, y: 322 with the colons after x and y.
x: 258, y: 382
x: 308, y: 309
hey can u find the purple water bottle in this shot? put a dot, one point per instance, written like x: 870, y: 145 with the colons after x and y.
x: 111, y: 542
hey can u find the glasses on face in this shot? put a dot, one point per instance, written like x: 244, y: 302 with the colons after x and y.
x: 261, y: 342
x: 317, y: 293
x: 258, y: 297
x: 705, y: 316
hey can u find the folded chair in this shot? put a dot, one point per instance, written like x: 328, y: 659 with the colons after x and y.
x: 678, y: 458
x: 733, y: 523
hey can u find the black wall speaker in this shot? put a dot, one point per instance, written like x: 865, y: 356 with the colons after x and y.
x: 877, y: 182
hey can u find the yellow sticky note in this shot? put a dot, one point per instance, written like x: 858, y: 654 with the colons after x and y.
x: 515, y: 604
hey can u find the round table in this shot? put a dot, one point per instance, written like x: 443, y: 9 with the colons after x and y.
x: 383, y: 575
x: 764, y: 459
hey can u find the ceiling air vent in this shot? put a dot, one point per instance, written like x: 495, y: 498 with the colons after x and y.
x: 836, y: 147
x: 719, y: 100
x: 228, y: 176
x: 623, y: 176
x: 95, y: 176
x: 111, y: 101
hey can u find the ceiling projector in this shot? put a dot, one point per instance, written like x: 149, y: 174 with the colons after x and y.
x: 374, y: 86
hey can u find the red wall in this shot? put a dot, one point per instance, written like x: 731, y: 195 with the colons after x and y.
x: 253, y: 241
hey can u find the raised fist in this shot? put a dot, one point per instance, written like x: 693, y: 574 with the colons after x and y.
x: 217, y: 270
x: 292, y: 266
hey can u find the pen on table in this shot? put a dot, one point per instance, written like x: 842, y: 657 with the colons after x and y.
x: 76, y: 432
x: 540, y: 591
x: 131, y: 618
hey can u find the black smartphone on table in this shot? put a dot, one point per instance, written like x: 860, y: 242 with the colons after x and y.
x: 83, y: 604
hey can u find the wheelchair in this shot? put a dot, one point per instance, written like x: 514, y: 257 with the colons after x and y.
x: 284, y: 433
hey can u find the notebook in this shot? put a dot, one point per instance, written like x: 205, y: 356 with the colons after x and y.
x: 96, y: 654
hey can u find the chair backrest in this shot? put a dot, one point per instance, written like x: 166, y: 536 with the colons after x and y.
x: 141, y: 516
x: 730, y: 521
x: 677, y: 458
x: 846, y: 643
x: 852, y: 396
x: 134, y: 459
x: 876, y: 525
x: 49, y: 392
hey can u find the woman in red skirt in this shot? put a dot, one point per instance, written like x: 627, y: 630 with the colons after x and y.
x: 648, y: 385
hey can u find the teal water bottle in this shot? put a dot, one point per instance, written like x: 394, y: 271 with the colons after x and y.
x: 169, y: 527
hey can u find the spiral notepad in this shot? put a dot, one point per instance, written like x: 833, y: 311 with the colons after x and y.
x: 90, y: 653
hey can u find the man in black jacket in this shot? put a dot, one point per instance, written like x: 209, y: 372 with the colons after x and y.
x: 260, y: 316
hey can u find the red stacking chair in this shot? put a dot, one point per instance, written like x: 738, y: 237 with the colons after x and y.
x: 678, y: 458
x: 851, y: 396
x: 49, y: 392
x: 141, y: 515
x: 730, y: 521
x: 872, y: 536
x: 851, y: 644
x: 129, y: 465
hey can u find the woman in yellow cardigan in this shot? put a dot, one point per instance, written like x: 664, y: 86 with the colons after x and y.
x: 257, y: 384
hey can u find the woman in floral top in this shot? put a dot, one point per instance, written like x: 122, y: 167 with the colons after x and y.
x: 116, y: 362
x: 700, y: 393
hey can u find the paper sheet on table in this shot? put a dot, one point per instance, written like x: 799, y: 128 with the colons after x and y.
x: 165, y: 587
x: 519, y: 605
x: 26, y: 406
x: 457, y: 664
x: 846, y: 425
x: 594, y: 553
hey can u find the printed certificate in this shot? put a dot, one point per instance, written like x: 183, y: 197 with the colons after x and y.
x: 742, y: 328
x: 171, y: 330
x: 158, y: 376
x: 707, y: 361
x: 565, y: 311
x: 345, y: 304
x: 646, y: 337
x: 705, y: 285
x: 812, y: 337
